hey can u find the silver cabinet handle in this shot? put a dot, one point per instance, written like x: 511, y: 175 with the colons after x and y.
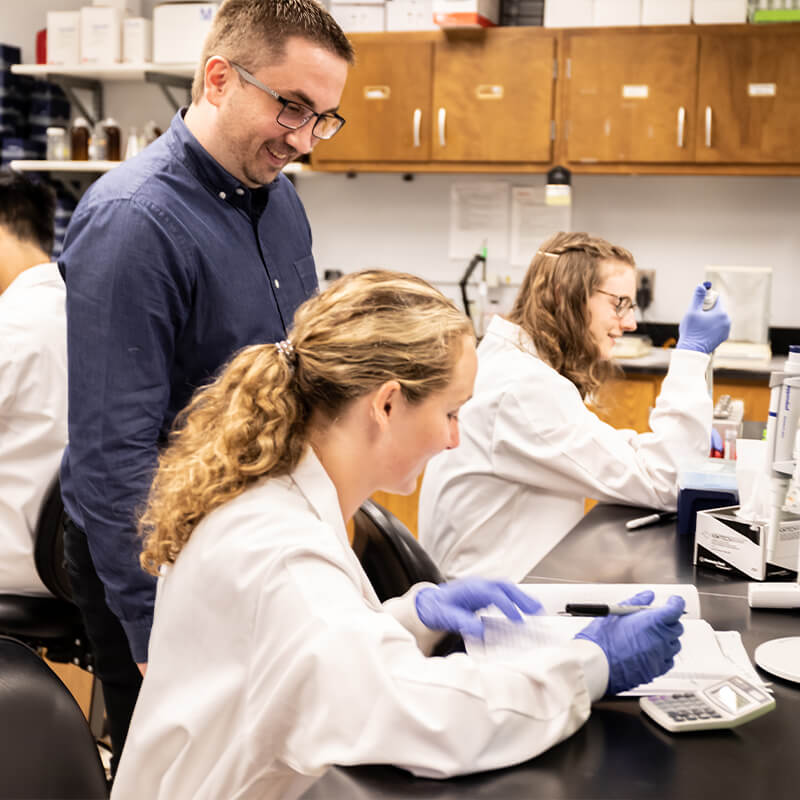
x: 708, y: 126
x: 681, y: 125
x: 417, y: 122
x: 442, y: 117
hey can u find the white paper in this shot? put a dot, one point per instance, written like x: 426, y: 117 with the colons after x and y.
x: 478, y: 216
x: 533, y: 220
x: 705, y: 656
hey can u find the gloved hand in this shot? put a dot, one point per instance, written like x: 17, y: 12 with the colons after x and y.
x: 716, y: 444
x: 452, y: 606
x: 703, y: 330
x: 638, y: 646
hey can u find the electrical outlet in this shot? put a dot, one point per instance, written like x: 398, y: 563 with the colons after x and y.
x: 645, y: 287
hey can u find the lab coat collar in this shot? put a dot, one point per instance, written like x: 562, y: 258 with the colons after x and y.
x: 512, y: 333
x: 316, y: 486
x: 34, y: 276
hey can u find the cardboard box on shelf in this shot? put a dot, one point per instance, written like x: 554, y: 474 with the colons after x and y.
x: 466, y: 13
x: 137, y: 40
x: 63, y: 37
x: 671, y: 12
x: 409, y: 15
x: 132, y: 7
x: 101, y: 35
x: 714, y: 12
x: 179, y: 30
x: 359, y: 17
x: 568, y: 13
x: 617, y: 12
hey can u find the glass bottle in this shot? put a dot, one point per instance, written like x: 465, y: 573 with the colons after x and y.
x: 113, y: 139
x: 98, y: 143
x: 79, y: 139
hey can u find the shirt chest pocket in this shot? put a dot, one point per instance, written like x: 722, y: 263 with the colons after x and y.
x: 307, y: 273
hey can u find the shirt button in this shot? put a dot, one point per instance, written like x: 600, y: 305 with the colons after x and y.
x: 222, y: 195
x: 277, y: 284
x: 240, y: 191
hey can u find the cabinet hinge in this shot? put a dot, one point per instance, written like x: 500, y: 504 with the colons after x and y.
x: 555, y: 69
x: 552, y: 130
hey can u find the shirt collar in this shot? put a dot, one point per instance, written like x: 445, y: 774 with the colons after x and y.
x: 212, y: 174
x: 34, y: 276
x: 316, y: 486
x: 512, y: 333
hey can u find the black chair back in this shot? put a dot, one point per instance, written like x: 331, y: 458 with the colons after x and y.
x: 54, y: 622
x: 394, y: 560
x: 47, y: 751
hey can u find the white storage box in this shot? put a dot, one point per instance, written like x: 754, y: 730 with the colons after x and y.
x: 719, y: 11
x: 723, y: 541
x: 359, y: 17
x: 101, y: 35
x: 666, y: 12
x: 179, y: 30
x: 63, y: 37
x: 617, y: 12
x: 466, y: 13
x: 568, y: 13
x: 409, y: 15
x: 137, y: 40
x: 132, y: 7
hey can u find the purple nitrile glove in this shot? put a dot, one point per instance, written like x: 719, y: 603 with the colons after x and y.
x: 638, y: 646
x: 451, y: 606
x: 702, y: 330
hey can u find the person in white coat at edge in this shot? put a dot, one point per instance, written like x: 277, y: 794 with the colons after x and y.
x: 271, y: 657
x: 531, y: 449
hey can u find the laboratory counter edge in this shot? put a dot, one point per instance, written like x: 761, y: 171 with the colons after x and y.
x: 619, y: 754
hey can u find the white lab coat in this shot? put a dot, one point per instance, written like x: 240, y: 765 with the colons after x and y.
x: 271, y: 658
x: 531, y: 451
x: 33, y: 415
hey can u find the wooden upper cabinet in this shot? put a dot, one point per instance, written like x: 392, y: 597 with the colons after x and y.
x: 386, y: 102
x: 493, y: 97
x: 749, y: 98
x: 630, y: 96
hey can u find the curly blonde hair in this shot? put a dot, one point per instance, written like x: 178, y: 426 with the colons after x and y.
x: 552, y: 305
x: 253, y: 420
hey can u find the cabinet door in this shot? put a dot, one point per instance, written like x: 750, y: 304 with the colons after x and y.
x: 749, y: 99
x: 386, y: 102
x: 493, y: 97
x: 631, y: 97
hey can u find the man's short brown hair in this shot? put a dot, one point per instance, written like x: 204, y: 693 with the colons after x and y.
x: 253, y: 32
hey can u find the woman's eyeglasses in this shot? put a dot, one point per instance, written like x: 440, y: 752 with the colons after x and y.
x: 623, y: 304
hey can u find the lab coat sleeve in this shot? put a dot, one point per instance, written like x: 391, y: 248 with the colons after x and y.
x: 545, y: 435
x: 357, y: 689
x: 404, y: 610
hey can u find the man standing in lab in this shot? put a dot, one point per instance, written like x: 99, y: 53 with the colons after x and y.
x: 174, y: 261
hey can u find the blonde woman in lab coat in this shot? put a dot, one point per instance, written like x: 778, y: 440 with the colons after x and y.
x: 271, y: 657
x: 531, y: 450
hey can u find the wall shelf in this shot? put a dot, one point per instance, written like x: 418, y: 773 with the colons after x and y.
x: 104, y: 72
x: 42, y: 165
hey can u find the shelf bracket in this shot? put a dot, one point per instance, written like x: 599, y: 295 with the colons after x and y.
x: 69, y: 83
x: 165, y: 82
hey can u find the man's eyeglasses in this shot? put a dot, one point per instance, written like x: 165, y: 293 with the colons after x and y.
x: 622, y: 305
x: 294, y: 115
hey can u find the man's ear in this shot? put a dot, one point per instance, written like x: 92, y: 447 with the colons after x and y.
x: 385, y: 401
x: 218, y: 74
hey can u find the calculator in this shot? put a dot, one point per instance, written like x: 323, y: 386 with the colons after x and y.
x: 724, y: 704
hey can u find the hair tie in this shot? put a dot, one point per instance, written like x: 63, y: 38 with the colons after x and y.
x: 286, y: 349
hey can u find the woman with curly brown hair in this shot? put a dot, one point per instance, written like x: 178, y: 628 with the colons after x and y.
x: 271, y: 657
x: 531, y: 449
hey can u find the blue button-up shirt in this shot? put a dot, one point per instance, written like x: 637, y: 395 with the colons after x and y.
x: 171, y: 266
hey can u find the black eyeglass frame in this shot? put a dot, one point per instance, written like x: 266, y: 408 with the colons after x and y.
x: 251, y: 79
x: 624, y: 304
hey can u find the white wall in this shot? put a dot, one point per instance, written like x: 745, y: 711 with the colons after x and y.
x: 676, y: 225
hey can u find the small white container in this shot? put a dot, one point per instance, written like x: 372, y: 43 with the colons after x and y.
x: 137, y: 40
x: 101, y: 35
x: 609, y: 13
x: 63, y: 37
x: 179, y: 30
x: 666, y: 12
x: 359, y: 17
x: 568, y: 13
x: 716, y: 12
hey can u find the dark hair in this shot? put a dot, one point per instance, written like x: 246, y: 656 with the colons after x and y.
x: 552, y: 305
x: 251, y: 32
x: 27, y: 209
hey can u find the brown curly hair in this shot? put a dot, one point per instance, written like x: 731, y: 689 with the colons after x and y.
x: 253, y: 420
x: 552, y: 305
